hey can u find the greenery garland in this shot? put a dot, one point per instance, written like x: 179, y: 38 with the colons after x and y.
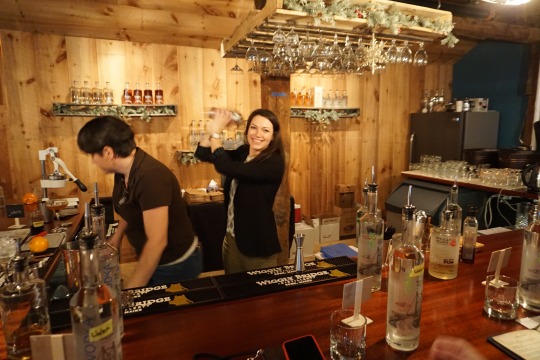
x: 376, y: 15
x: 321, y: 118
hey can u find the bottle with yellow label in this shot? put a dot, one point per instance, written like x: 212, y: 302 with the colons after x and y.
x: 94, y: 308
x: 405, y: 286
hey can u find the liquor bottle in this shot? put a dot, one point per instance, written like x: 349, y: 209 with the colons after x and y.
x: 470, y: 233
x: 529, y: 275
x: 405, y: 286
x: 441, y: 97
x: 344, y: 99
x: 300, y: 98
x: 24, y: 310
x: 137, y: 95
x: 109, y: 258
x: 466, y: 105
x: 86, y: 94
x: 127, y: 97
x: 444, y: 249
x: 94, y: 309
x: 370, y: 239
x: 108, y: 96
x: 309, y: 98
x: 452, y: 205
x: 97, y: 94
x: 337, y: 99
x: 424, y: 101
x: 37, y: 223
x: 158, y: 94
x: 193, y: 136
x: 148, y: 97
x: 201, y: 131
x: 293, y: 98
x: 75, y: 93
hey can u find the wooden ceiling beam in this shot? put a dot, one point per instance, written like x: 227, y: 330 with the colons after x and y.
x: 475, y: 29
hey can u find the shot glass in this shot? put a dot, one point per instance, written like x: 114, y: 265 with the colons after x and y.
x: 347, y: 342
x: 501, y: 299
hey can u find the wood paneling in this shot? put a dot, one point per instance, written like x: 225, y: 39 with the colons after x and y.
x: 38, y: 70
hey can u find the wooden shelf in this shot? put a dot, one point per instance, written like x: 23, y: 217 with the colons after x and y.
x: 260, y: 25
x: 120, y: 110
x: 299, y: 112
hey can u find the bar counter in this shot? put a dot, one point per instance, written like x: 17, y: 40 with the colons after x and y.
x: 452, y: 307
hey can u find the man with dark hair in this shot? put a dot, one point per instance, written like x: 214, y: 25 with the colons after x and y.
x: 146, y: 196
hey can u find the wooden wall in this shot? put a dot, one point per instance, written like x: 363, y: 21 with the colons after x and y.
x: 37, y: 70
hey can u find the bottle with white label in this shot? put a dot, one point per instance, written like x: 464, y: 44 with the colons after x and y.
x: 370, y: 240
x: 405, y: 286
x: 94, y: 309
x: 444, y: 249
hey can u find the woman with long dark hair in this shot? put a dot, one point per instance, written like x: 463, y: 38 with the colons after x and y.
x: 253, y: 174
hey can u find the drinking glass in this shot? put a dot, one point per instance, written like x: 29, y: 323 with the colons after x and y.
x: 8, y: 249
x: 321, y: 56
x: 307, y: 52
x: 334, y: 56
x: 420, y: 57
x: 406, y: 53
x: 392, y: 54
x: 55, y: 205
x: 349, y: 63
x: 252, y: 57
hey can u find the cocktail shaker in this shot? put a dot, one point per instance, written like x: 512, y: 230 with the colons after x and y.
x: 299, y: 256
x: 235, y: 116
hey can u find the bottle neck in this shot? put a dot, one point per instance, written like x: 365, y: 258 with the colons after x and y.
x: 372, y: 202
x: 90, y: 276
x: 454, y: 195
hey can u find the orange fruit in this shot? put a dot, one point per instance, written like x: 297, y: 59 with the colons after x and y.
x: 38, y: 244
x: 29, y: 198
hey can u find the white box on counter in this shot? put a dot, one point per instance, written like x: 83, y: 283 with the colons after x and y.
x: 329, y: 228
x: 479, y: 104
x: 311, y: 233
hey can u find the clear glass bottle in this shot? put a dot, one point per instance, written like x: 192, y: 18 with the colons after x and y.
x: 337, y: 99
x: 158, y: 93
x: 529, y: 275
x: 97, y: 94
x: 424, y: 101
x: 86, y: 94
x: 452, y: 205
x: 405, y: 286
x: 94, y: 309
x: 444, y: 249
x: 148, y: 96
x: 108, y: 96
x: 201, y: 131
x: 470, y: 233
x: 24, y: 310
x: 109, y: 258
x: 137, y: 95
x: 193, y: 136
x: 370, y: 240
x: 127, y: 97
x: 75, y: 93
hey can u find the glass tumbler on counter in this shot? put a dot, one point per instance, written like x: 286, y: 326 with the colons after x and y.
x: 347, y: 342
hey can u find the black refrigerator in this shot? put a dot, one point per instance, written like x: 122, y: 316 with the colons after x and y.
x: 448, y: 134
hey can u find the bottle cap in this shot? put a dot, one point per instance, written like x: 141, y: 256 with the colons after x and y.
x: 472, y: 210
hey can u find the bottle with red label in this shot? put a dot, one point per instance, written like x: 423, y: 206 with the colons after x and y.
x: 127, y: 97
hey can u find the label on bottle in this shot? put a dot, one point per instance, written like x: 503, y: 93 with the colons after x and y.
x: 444, y: 256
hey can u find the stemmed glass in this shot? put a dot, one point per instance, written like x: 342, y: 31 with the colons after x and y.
x: 307, y: 52
x: 252, y: 57
x: 55, y: 205
x: 8, y: 249
x: 406, y: 54
x: 420, y: 57
x: 392, y: 54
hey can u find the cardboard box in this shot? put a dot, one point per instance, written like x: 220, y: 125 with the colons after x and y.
x: 312, y: 235
x: 318, y: 96
x: 479, y: 104
x: 329, y: 228
x: 347, y: 221
x: 345, y: 196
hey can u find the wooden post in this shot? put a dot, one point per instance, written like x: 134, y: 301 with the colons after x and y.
x: 275, y: 97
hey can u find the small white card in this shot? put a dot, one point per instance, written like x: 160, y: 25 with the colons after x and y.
x: 360, y: 289
x: 496, y: 259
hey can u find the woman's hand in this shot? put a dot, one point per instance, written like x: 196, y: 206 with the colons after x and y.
x: 221, y: 119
